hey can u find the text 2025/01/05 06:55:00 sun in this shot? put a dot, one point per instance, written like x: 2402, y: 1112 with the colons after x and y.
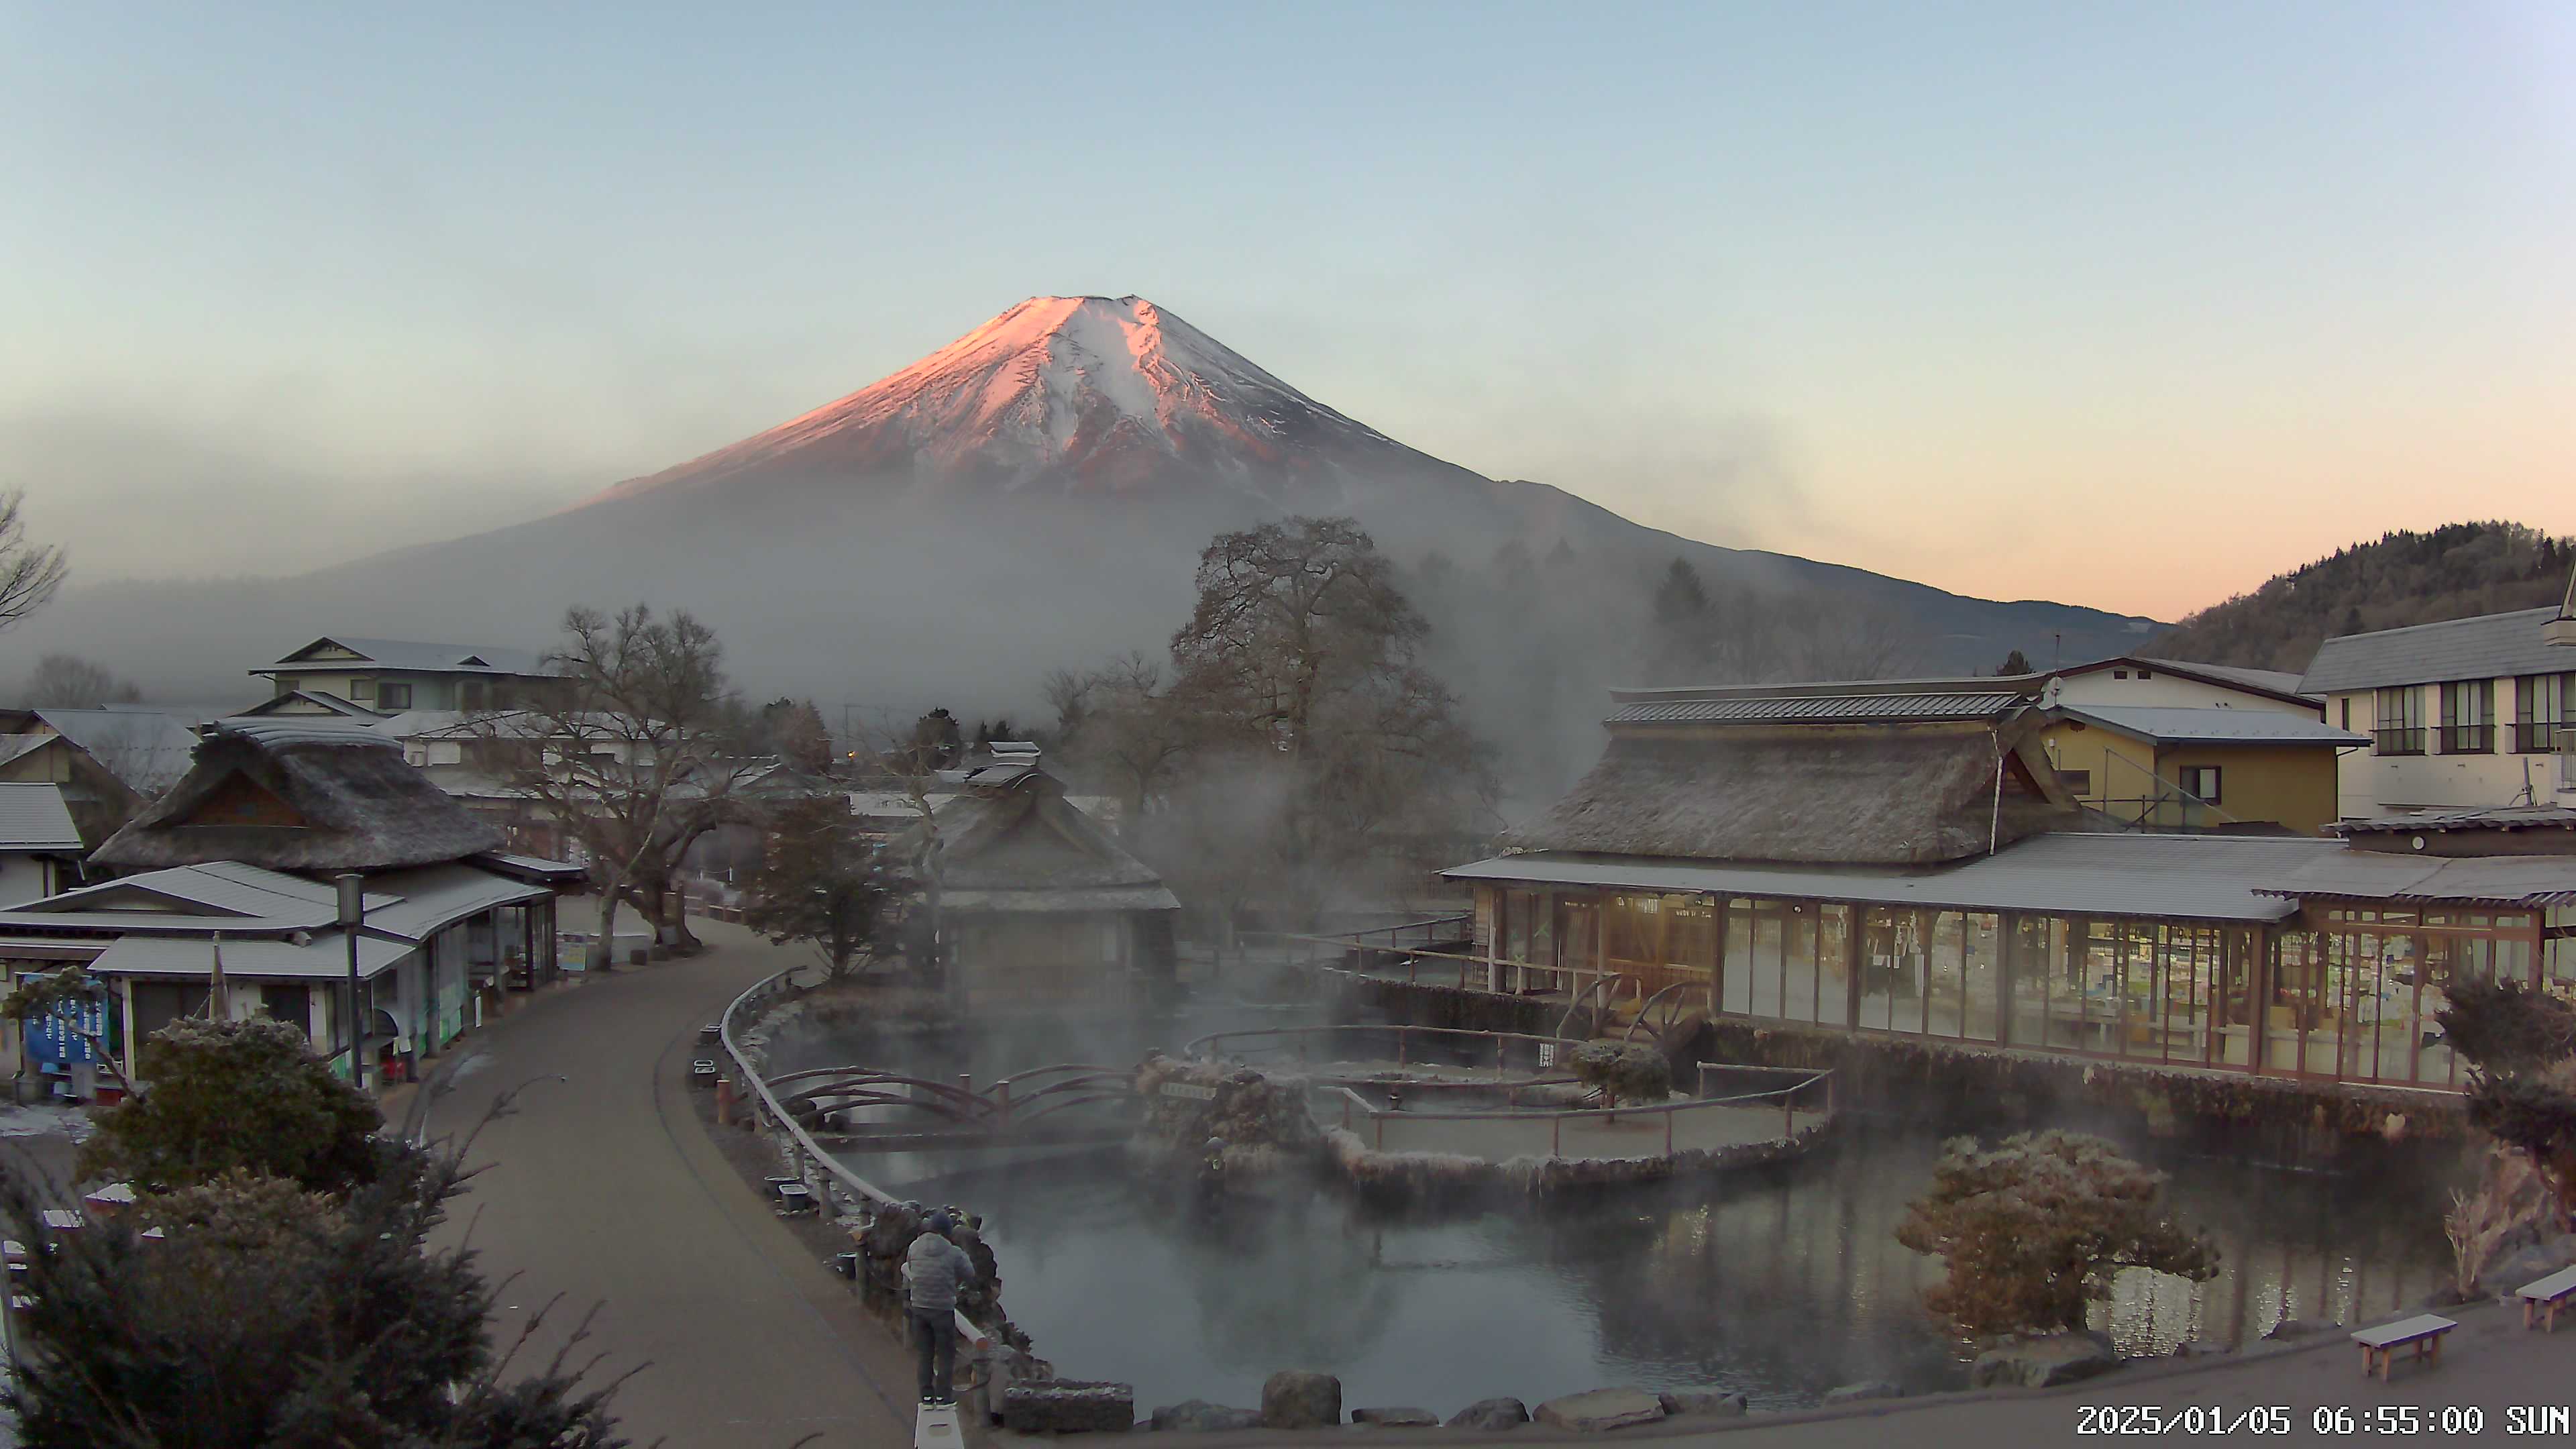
x: 2393, y: 1419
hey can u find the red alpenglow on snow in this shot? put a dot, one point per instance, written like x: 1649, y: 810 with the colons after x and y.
x: 1066, y: 395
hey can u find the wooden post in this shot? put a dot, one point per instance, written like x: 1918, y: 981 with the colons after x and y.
x: 1717, y: 958
x: 1556, y: 1136
x: 1400, y: 1057
x: 1669, y: 1114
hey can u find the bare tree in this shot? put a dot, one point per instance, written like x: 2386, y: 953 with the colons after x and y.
x: 1297, y: 673
x: 630, y: 756
x: 1120, y: 723
x: 67, y: 681
x: 30, y: 573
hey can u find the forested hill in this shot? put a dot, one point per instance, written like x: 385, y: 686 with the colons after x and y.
x: 2404, y: 578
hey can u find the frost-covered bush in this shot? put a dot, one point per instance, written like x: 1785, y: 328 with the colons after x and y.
x: 2034, y: 1230
x: 1625, y: 1071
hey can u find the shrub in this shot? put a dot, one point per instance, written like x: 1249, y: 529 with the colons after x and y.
x: 1624, y: 1071
x: 2034, y: 1230
x: 237, y: 1096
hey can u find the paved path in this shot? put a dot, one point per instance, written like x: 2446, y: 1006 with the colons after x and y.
x: 605, y: 1188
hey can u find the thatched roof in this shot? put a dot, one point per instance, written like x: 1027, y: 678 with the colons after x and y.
x: 1858, y: 795
x: 300, y: 796
x: 1020, y: 845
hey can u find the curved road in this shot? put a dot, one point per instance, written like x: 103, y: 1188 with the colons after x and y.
x: 605, y: 1188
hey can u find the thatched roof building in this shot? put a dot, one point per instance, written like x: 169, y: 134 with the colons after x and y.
x: 300, y: 795
x: 1891, y: 777
x: 1011, y: 841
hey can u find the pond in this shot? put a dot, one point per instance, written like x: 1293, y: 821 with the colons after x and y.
x: 1780, y: 1283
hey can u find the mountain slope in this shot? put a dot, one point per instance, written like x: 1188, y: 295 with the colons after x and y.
x: 2403, y: 577
x: 1032, y: 496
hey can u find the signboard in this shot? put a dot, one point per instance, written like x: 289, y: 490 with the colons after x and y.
x: 1185, y: 1089
x: 62, y: 1037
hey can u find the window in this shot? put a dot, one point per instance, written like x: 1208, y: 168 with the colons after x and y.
x: 2119, y: 674
x: 391, y: 696
x: 2544, y: 704
x: 2146, y: 674
x: 2398, y: 721
x: 2468, y: 717
x: 2201, y: 781
x: 2078, y: 783
x: 474, y: 695
x: 362, y: 689
x: 2346, y: 704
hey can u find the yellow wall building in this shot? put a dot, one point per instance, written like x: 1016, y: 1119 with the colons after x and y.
x: 2199, y: 769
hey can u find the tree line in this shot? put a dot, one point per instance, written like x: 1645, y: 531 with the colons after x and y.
x: 2403, y: 577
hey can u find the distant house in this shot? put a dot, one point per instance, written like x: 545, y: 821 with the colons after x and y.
x: 109, y: 763
x: 235, y: 866
x: 349, y: 676
x: 2166, y: 744
x: 1037, y: 903
x: 2463, y: 714
x: 40, y: 848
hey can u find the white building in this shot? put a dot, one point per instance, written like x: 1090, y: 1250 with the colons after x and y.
x: 2464, y: 714
x: 40, y: 848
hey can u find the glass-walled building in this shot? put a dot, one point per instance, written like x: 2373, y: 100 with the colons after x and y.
x: 1935, y: 887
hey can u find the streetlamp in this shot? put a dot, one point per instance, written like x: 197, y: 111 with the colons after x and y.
x: 353, y: 912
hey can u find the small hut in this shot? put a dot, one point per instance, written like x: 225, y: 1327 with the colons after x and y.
x: 1038, y: 903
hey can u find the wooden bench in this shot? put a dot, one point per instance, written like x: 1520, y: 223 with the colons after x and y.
x: 2546, y: 1296
x: 2424, y: 1330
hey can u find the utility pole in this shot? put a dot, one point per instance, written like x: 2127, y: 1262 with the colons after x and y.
x: 353, y: 913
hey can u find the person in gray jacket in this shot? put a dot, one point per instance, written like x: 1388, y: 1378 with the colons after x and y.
x: 932, y: 1268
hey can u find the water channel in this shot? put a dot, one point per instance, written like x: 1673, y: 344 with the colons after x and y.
x: 1780, y: 1283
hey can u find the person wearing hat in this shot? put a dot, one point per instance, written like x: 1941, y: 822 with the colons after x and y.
x: 932, y: 1269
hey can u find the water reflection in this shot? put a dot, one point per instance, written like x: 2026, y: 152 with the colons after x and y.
x: 1781, y: 1283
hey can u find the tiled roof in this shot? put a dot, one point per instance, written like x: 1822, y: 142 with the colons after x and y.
x: 2532, y: 881
x: 2275, y: 681
x: 2173, y: 724
x: 149, y: 752
x: 1820, y: 708
x: 414, y: 654
x: 2170, y: 877
x: 2489, y: 646
x: 33, y: 817
x: 2497, y: 817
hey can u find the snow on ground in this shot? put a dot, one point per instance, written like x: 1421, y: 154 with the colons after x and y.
x: 45, y: 1121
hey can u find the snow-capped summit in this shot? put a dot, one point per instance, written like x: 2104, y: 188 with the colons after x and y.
x: 1070, y: 395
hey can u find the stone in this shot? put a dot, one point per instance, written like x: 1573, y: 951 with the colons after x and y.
x: 2295, y: 1328
x: 1865, y: 1389
x: 1600, y: 1410
x: 1299, y: 1399
x: 2043, y: 1361
x: 1490, y: 1414
x: 2199, y: 1348
x: 1396, y: 1418
x: 1068, y: 1406
x: 2511, y: 1270
x: 1198, y: 1416
x: 1715, y: 1401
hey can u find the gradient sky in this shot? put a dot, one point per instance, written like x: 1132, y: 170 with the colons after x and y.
x: 2121, y: 305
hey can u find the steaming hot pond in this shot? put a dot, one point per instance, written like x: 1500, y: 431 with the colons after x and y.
x: 1781, y: 1283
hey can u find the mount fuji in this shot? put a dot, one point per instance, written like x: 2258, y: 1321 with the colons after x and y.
x: 1033, y: 495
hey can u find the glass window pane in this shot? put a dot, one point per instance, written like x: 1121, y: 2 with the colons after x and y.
x: 1983, y: 946
x: 1832, y: 957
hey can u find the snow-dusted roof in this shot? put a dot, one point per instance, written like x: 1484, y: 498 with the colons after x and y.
x: 414, y: 655
x: 34, y: 818
x: 145, y: 750
x: 2183, y: 724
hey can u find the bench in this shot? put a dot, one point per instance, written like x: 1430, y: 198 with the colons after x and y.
x: 2424, y: 1330
x: 2546, y: 1296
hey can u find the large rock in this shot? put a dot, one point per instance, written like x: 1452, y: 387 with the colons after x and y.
x: 1298, y: 1399
x: 2522, y: 1265
x: 1198, y: 1416
x: 1865, y: 1389
x: 1601, y: 1409
x: 2295, y: 1328
x: 1068, y: 1406
x: 1714, y: 1401
x: 1491, y: 1414
x: 2044, y: 1361
x: 1397, y: 1418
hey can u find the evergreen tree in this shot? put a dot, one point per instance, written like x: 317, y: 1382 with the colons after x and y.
x: 2015, y: 663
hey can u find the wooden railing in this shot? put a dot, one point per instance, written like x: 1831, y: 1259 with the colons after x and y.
x: 1809, y: 1085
